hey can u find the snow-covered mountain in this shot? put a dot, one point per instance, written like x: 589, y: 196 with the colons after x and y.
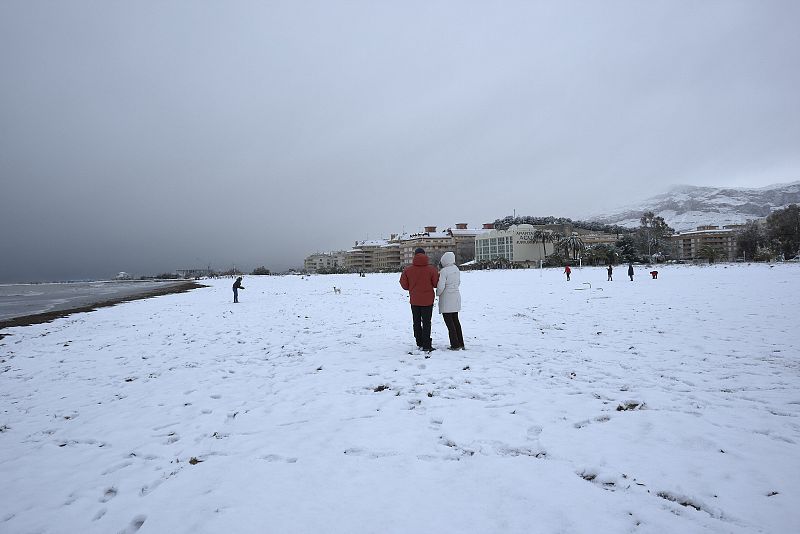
x: 686, y: 207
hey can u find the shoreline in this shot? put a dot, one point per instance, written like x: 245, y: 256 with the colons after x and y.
x: 46, y: 317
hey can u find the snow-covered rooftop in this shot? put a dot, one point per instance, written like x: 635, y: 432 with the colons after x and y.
x: 707, y: 230
x: 372, y: 243
x: 424, y: 235
x: 468, y: 231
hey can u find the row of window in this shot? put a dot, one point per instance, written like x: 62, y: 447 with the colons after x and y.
x: 494, y: 241
x: 492, y: 255
x: 486, y: 249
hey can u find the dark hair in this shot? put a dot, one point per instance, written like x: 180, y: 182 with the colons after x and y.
x: 419, y: 250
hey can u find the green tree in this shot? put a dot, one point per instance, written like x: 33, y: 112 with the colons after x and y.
x: 556, y: 259
x: 783, y: 228
x: 749, y: 239
x: 764, y: 254
x: 652, y: 233
x: 601, y: 254
x: 626, y: 246
x: 332, y: 270
x: 708, y: 252
x: 593, y: 255
x: 260, y: 271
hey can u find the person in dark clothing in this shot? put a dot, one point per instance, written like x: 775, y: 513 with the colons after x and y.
x: 654, y: 274
x: 419, y: 279
x: 610, y: 272
x: 630, y: 271
x: 237, y: 285
x: 567, y: 271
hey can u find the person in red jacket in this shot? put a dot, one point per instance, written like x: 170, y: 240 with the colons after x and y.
x: 420, y: 279
x: 567, y: 271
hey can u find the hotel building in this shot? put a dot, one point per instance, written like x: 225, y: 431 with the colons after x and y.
x: 518, y: 245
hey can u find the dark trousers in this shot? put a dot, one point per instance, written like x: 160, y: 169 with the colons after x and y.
x: 422, y: 324
x: 454, y: 330
x: 235, y: 295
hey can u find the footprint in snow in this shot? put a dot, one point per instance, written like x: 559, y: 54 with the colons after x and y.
x: 109, y: 494
x: 135, y: 524
x: 534, y: 431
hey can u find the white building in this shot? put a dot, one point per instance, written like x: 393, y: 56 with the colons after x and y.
x: 325, y: 260
x: 518, y: 244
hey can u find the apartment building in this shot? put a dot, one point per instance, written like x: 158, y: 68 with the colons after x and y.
x: 388, y: 256
x: 325, y: 260
x: 435, y: 244
x: 687, y: 245
x: 365, y: 255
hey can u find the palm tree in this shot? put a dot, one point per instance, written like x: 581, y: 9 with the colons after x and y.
x: 708, y: 252
x: 572, y: 245
x: 546, y: 236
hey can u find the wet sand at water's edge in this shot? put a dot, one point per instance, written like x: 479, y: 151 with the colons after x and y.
x: 46, y: 317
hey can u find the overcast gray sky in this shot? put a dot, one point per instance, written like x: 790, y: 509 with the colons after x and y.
x: 147, y: 136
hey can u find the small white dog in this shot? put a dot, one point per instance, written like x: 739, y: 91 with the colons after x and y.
x: 337, y: 290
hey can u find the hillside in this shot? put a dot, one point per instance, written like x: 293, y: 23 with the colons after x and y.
x: 685, y: 207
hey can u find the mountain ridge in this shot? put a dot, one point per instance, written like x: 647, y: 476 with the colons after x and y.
x: 685, y: 207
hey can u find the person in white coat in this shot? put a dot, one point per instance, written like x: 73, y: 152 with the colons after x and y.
x: 450, y: 299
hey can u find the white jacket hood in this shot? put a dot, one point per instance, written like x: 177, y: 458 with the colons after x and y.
x: 448, y: 259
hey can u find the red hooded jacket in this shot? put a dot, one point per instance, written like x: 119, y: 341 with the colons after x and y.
x: 420, y: 280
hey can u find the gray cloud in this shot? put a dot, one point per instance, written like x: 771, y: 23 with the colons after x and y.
x: 149, y: 136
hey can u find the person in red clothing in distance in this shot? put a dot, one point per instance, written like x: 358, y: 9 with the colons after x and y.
x: 420, y: 279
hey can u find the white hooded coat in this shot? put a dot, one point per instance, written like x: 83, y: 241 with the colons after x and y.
x: 447, y: 288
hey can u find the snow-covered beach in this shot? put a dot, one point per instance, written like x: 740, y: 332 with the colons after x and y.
x: 669, y: 405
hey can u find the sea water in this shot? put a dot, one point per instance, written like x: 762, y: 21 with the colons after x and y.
x: 19, y: 300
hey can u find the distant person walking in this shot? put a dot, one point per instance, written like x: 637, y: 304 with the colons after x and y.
x: 610, y: 272
x: 419, y: 279
x: 567, y: 271
x: 450, y: 299
x: 654, y: 274
x: 237, y: 285
x: 630, y: 271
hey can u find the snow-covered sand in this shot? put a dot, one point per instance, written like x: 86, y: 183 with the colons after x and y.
x: 667, y: 405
